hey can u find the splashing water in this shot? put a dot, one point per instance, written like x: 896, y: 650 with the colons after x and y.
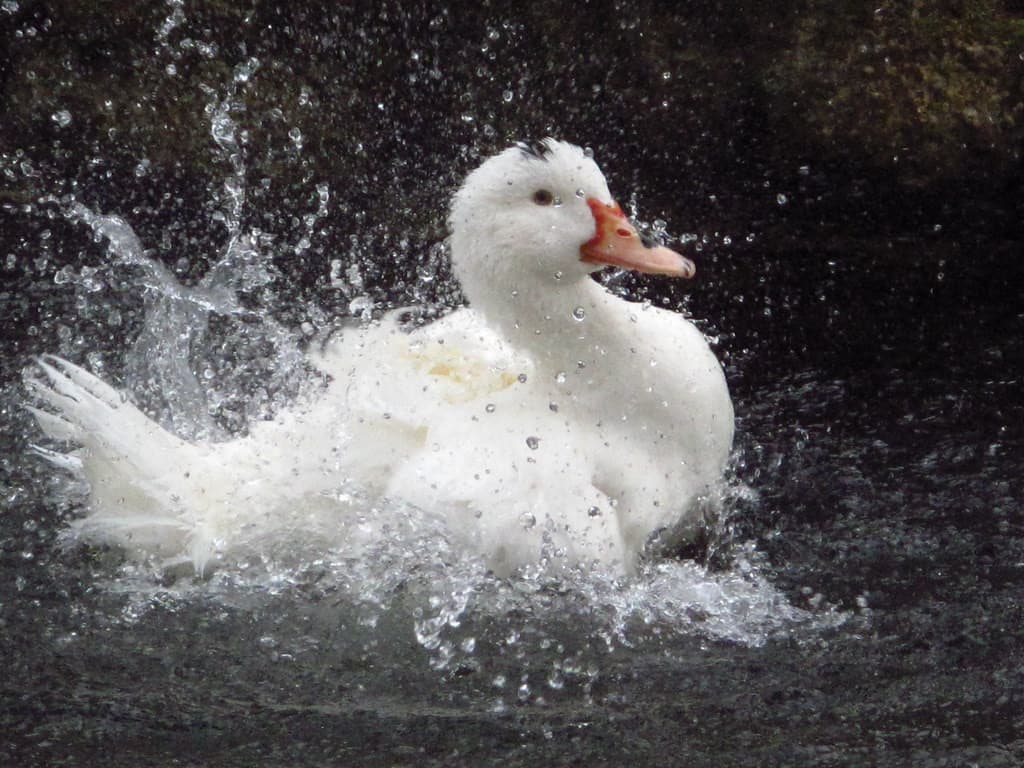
x: 400, y: 577
x: 393, y: 563
x: 160, y: 364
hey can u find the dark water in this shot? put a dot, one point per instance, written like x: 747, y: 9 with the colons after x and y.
x: 874, y: 344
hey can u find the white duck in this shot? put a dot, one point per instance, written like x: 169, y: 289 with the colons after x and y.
x: 548, y: 422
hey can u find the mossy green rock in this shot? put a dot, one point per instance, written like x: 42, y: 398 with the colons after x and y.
x: 928, y: 89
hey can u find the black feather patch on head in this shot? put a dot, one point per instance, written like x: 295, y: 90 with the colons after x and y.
x: 536, y: 150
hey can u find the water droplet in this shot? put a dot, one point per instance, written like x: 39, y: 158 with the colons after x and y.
x: 579, y: 313
x: 62, y: 118
x: 245, y: 70
x: 521, y: 378
x: 588, y: 152
x: 553, y: 407
x: 556, y: 681
x: 361, y: 306
x: 489, y: 407
x: 223, y: 130
x: 558, y: 275
x: 594, y: 512
x: 507, y: 96
x: 560, y: 377
x: 781, y: 199
x: 581, y: 192
x: 527, y: 520
x: 533, y: 443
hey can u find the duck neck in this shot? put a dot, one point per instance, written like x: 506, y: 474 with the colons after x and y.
x: 568, y: 328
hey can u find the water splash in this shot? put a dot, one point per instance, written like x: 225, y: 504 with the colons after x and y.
x: 162, y: 366
x: 399, y: 561
x: 398, y: 564
x: 411, y: 598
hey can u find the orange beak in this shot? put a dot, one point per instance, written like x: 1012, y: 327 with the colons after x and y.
x: 616, y: 243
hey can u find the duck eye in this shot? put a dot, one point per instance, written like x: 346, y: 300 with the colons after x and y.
x: 543, y: 197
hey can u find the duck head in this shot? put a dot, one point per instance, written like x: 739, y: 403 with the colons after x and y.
x: 542, y: 215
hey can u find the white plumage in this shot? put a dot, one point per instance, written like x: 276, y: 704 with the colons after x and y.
x: 549, y: 421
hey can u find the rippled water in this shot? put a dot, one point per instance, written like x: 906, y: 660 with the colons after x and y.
x: 860, y: 604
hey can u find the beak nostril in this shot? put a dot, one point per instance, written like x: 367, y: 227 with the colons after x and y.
x: 621, y: 232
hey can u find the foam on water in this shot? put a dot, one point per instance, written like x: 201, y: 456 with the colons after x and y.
x: 382, y: 563
x: 403, y: 572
